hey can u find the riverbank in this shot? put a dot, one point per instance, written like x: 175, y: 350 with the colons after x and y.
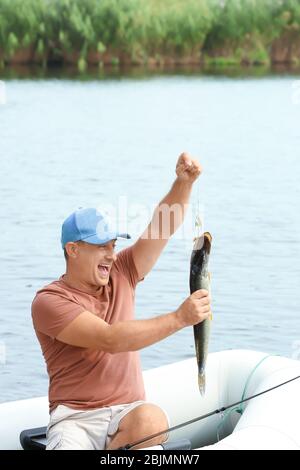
x: 141, y: 72
x: 149, y: 32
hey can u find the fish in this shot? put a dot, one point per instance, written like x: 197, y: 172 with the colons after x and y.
x: 200, y: 279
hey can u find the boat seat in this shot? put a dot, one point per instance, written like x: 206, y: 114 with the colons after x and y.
x: 33, y: 439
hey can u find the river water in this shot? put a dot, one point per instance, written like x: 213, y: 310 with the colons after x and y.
x: 67, y: 142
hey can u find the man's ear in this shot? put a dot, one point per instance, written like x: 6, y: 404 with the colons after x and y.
x: 71, y: 249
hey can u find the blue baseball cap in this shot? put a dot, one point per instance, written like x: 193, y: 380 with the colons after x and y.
x: 91, y: 226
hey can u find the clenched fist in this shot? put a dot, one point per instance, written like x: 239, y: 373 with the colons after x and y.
x: 188, y: 169
x: 195, y: 309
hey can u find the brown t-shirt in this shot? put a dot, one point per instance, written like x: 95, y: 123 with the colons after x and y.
x: 84, y: 378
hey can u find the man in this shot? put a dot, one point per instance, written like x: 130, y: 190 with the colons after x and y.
x: 89, y: 338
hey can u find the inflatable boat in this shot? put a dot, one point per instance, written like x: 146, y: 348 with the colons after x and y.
x: 267, y: 422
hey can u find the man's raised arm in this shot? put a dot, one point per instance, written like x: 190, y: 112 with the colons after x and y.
x: 167, y: 217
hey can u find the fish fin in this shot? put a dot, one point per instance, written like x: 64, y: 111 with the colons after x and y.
x: 201, y: 383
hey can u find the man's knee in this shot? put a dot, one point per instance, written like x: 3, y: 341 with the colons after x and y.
x: 143, y: 421
x: 152, y: 415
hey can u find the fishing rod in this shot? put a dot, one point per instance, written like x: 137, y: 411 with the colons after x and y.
x: 208, y: 415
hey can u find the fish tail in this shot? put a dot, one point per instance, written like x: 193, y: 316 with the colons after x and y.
x: 201, y: 383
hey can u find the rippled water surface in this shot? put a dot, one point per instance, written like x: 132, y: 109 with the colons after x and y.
x: 66, y: 143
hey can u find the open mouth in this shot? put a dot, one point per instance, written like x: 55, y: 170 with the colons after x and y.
x: 103, y: 270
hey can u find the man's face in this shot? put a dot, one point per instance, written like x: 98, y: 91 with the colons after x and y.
x: 93, y: 263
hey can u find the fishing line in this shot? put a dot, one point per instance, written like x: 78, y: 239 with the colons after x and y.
x: 208, y: 415
x: 198, y: 219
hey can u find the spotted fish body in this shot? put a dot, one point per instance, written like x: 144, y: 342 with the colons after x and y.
x: 200, y: 279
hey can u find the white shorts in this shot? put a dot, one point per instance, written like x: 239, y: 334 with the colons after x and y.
x: 71, y: 429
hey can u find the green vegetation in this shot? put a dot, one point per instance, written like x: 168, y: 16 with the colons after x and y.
x: 99, y: 32
x: 250, y: 30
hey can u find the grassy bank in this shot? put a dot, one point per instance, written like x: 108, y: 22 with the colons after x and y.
x: 152, y: 32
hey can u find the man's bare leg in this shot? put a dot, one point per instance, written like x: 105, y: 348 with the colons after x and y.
x: 141, y: 422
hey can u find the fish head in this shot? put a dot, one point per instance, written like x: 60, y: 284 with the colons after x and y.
x: 201, y: 251
x: 203, y: 244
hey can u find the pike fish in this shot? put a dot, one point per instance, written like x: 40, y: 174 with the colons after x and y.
x: 200, y: 279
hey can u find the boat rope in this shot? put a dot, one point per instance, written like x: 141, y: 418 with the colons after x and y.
x: 240, y: 408
x: 208, y: 415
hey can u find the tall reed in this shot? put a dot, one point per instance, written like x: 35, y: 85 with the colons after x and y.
x: 136, y: 30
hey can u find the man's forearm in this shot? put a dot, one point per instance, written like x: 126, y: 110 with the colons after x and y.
x: 138, y: 334
x: 170, y: 213
x: 179, y: 194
